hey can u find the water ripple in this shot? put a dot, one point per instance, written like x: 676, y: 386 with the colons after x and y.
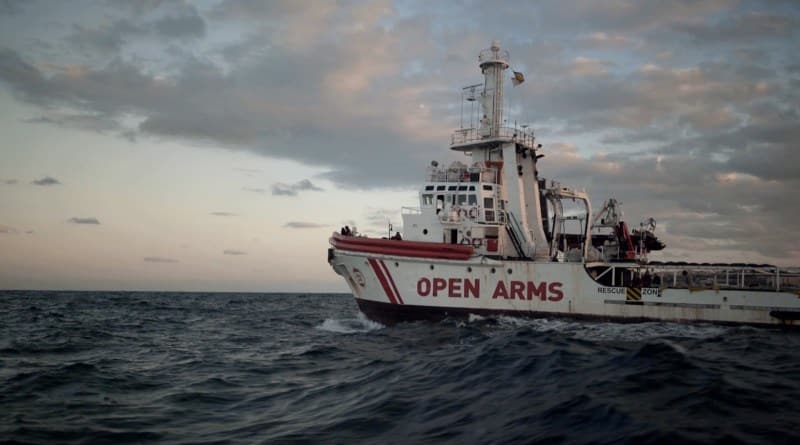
x: 127, y: 367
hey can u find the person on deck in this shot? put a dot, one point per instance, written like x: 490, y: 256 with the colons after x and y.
x: 397, y: 236
x: 647, y: 280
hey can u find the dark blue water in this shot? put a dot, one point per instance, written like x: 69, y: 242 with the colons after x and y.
x: 121, y: 367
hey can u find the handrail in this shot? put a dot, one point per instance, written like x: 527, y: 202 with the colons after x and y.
x: 464, y: 174
x: 467, y: 135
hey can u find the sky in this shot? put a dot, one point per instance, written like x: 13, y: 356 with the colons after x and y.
x: 215, y: 145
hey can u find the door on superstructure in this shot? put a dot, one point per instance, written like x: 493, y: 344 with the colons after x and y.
x: 453, y: 236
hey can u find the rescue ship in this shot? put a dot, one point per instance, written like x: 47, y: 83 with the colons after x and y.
x: 493, y: 237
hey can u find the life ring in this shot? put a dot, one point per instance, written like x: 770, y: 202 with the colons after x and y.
x: 477, y: 242
x: 462, y: 212
x: 465, y: 241
x: 473, y: 213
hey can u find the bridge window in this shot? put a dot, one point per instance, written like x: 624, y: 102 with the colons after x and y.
x: 452, y: 188
x: 427, y: 200
x: 488, y: 203
x: 487, y: 187
x: 462, y: 199
x: 462, y: 188
x: 473, y: 200
x: 439, y: 187
x: 428, y: 187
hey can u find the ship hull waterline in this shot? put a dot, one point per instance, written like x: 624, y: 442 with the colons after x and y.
x: 390, y: 289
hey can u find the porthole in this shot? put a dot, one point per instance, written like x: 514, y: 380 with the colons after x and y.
x: 493, y: 270
x: 424, y: 231
x: 431, y: 266
x: 469, y: 268
x: 509, y: 271
x: 396, y: 264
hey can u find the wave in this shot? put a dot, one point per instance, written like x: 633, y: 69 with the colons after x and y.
x: 349, y: 325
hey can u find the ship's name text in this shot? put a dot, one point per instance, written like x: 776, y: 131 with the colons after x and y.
x: 471, y: 288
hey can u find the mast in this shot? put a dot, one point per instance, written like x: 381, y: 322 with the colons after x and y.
x: 492, y: 141
x: 493, y: 63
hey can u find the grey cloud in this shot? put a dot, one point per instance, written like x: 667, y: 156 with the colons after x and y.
x: 7, y: 229
x: 11, y: 7
x: 281, y: 189
x: 107, y: 38
x: 745, y: 28
x: 709, y: 130
x: 46, y: 181
x: 189, y: 25
x: 158, y: 259
x: 222, y: 214
x: 10, y: 181
x: 303, y: 225
x: 253, y: 189
x: 233, y: 252
x: 88, y: 122
x: 89, y: 220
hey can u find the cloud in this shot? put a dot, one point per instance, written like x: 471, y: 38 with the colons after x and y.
x: 233, y: 252
x: 187, y: 25
x: 105, y: 38
x: 7, y: 229
x: 87, y: 122
x: 46, y: 181
x: 89, y: 220
x: 742, y: 28
x: 678, y: 108
x: 281, y: 189
x: 253, y: 189
x: 303, y: 225
x: 158, y: 259
x: 222, y: 214
x: 11, y: 7
x: 10, y: 181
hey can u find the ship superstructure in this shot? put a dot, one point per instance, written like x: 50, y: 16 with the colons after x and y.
x: 491, y: 236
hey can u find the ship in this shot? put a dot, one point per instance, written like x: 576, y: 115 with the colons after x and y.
x: 493, y: 237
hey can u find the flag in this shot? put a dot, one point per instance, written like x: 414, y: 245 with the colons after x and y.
x: 518, y: 78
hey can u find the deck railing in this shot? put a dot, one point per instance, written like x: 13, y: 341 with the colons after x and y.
x: 465, y: 136
x: 702, y: 276
x: 465, y: 174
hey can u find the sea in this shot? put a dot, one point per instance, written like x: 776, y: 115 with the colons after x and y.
x: 220, y: 368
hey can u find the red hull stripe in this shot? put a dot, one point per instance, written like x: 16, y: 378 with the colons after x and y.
x: 417, y: 249
x: 391, y: 281
x: 379, y: 273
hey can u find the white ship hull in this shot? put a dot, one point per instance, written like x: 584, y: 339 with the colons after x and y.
x: 390, y: 289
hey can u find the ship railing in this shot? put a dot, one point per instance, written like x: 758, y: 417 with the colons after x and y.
x: 464, y: 136
x: 465, y: 174
x: 702, y: 276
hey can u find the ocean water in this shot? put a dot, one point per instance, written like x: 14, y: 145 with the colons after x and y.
x: 214, y: 368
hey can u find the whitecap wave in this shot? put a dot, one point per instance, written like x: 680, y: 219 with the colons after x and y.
x: 610, y: 331
x: 349, y: 325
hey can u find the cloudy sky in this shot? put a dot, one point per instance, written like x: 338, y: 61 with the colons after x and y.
x: 214, y: 145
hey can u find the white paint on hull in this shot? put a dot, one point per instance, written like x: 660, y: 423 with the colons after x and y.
x: 473, y: 285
